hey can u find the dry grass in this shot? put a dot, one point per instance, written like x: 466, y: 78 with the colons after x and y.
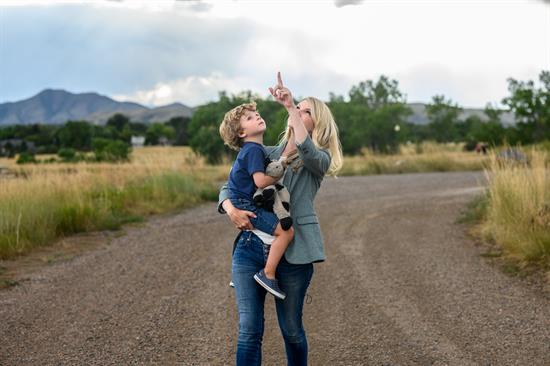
x: 42, y: 202
x: 425, y: 157
x: 517, y: 213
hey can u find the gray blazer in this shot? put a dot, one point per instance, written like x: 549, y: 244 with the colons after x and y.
x: 307, y: 246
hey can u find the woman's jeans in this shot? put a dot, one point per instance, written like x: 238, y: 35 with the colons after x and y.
x: 248, y: 258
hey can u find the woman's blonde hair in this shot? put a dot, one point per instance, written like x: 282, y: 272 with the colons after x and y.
x: 324, y: 134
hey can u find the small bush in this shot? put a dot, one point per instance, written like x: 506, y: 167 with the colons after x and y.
x: 26, y: 158
x: 110, y: 150
x: 67, y: 154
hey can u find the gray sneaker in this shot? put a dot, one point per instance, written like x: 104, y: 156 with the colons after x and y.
x: 272, y: 286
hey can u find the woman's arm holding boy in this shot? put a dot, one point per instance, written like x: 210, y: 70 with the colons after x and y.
x: 240, y: 218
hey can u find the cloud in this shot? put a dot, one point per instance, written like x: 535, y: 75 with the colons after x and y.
x: 192, y: 90
x: 342, y: 3
x: 196, y: 5
x: 113, y: 50
x: 467, y: 87
x: 158, y: 52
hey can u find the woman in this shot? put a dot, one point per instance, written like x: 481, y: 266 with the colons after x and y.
x: 313, y: 135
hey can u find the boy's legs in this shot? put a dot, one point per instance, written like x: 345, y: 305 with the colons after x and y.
x: 268, y: 222
x: 277, y: 250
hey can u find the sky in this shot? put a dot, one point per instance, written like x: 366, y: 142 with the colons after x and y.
x: 160, y: 52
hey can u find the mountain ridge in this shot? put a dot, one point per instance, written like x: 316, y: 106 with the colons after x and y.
x: 57, y: 106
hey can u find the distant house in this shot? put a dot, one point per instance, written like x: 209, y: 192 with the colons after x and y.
x: 163, y: 141
x: 138, y: 141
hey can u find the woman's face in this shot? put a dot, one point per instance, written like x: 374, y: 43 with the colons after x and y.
x: 305, y: 114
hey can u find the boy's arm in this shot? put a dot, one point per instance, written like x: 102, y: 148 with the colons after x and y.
x: 262, y: 180
x: 255, y: 162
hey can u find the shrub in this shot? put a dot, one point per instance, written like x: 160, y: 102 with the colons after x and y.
x: 110, y: 150
x: 67, y: 154
x: 26, y: 158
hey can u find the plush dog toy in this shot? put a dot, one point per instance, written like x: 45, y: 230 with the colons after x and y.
x: 276, y: 197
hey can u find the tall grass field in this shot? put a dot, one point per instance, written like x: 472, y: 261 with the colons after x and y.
x: 516, y: 211
x: 42, y: 202
x: 416, y: 158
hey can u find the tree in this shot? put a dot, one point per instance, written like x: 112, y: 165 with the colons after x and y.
x: 376, y: 95
x: 157, y: 130
x: 180, y: 125
x: 443, y: 117
x: 531, y: 106
x: 376, y: 119
x: 76, y: 134
x: 118, y: 121
x: 351, y: 119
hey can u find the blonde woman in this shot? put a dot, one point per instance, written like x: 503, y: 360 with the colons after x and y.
x: 312, y: 135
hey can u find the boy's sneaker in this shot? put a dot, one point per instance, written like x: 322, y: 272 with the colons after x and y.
x: 272, y: 286
x: 231, y: 284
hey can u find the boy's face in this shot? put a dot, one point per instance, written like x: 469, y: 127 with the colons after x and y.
x: 252, y: 124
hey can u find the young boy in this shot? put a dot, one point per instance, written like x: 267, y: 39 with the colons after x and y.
x: 242, y: 129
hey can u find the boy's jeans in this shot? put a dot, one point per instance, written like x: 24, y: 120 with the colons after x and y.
x: 265, y: 221
x: 294, y: 280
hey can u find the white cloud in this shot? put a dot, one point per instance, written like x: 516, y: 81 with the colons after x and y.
x: 158, y: 52
x: 191, y: 90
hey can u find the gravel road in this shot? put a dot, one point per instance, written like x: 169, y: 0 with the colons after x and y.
x: 403, y: 285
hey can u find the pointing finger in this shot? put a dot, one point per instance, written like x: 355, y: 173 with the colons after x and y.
x: 279, y: 79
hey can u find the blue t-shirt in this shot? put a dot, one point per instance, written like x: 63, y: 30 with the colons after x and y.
x: 251, y: 159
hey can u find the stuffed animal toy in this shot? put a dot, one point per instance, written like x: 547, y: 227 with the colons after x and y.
x: 276, y: 197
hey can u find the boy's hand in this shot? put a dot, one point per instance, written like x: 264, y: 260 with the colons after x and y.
x: 281, y: 93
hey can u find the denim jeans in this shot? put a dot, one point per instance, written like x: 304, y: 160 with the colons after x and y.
x: 265, y: 221
x: 249, y: 257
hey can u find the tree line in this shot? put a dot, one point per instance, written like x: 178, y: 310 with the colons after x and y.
x: 109, y: 142
x: 373, y: 115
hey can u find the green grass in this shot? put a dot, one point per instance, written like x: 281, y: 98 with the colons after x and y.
x: 475, y: 210
x: 31, y: 221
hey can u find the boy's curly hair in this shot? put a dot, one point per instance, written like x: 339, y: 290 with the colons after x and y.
x: 231, y: 125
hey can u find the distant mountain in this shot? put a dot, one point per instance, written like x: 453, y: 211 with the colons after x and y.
x: 58, y: 106
x: 420, y: 117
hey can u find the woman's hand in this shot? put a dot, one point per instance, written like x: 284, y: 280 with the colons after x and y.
x: 281, y: 93
x: 240, y: 218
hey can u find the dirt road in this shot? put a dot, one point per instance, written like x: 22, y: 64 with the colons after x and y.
x: 403, y: 285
